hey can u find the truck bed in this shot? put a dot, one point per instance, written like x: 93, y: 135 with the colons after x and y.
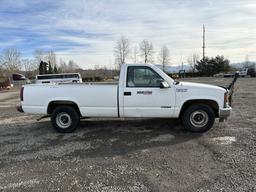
x: 92, y: 99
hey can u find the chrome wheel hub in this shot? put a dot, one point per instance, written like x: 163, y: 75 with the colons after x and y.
x: 63, y: 120
x: 199, y: 118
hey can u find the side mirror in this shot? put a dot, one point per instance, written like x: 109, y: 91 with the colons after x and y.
x: 164, y: 85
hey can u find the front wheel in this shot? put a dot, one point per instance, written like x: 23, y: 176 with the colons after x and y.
x: 65, y: 119
x: 198, y: 118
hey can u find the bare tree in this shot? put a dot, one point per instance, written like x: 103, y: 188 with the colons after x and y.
x: 192, y: 61
x: 63, y: 66
x: 147, y: 50
x: 39, y: 55
x: 51, y: 58
x: 10, y: 60
x: 72, y: 66
x: 30, y: 66
x: 135, y: 54
x: 122, y: 50
x: 1, y: 69
x: 164, y: 56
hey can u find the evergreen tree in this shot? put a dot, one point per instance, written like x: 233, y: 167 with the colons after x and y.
x: 45, y: 68
x: 214, y: 65
x: 202, y: 66
x: 50, y: 70
x: 55, y: 69
x: 41, y: 68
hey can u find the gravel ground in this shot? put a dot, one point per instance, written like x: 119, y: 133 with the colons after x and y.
x: 130, y: 155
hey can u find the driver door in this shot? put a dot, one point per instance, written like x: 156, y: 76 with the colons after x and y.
x: 142, y: 95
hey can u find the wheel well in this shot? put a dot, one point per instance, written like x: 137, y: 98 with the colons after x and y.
x: 54, y: 104
x: 213, y: 104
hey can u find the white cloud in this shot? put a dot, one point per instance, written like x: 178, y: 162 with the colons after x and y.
x: 11, y: 42
x: 95, y: 26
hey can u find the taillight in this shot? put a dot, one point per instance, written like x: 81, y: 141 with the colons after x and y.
x: 21, y: 93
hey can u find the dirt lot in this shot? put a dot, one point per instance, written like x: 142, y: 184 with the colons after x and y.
x: 130, y: 155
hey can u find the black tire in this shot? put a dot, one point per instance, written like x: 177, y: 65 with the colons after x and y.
x: 65, y: 119
x: 198, y: 118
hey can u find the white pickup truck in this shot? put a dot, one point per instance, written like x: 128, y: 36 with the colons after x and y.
x: 143, y: 91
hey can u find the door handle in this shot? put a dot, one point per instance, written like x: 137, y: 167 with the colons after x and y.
x: 127, y: 93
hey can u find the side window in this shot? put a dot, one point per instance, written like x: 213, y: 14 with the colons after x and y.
x: 142, y: 77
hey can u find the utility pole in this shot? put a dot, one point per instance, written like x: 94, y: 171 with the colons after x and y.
x: 203, y: 42
x: 181, y: 60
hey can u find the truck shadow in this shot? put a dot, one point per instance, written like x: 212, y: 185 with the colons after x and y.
x: 93, y: 138
x: 115, y: 137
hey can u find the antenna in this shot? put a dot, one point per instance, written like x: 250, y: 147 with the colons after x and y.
x: 203, y: 42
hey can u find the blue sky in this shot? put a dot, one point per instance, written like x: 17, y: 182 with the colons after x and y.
x: 86, y: 31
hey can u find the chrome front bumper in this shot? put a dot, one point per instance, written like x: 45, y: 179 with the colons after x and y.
x: 224, y: 113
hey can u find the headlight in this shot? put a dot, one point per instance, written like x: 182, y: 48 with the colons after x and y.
x: 226, y: 99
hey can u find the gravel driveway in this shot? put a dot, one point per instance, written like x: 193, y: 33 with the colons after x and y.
x: 130, y: 155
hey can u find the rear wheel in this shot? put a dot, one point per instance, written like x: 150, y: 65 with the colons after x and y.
x: 198, y: 118
x: 65, y: 119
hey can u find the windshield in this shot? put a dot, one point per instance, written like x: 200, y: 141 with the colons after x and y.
x: 163, y: 74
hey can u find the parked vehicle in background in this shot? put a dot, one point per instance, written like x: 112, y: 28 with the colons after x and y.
x: 241, y: 73
x: 59, y: 78
x: 252, y: 71
x: 19, y: 79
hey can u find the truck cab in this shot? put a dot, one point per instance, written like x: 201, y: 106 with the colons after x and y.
x: 145, y: 91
